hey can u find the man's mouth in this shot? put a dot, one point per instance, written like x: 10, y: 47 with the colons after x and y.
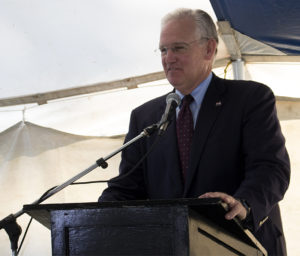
x: 173, y: 69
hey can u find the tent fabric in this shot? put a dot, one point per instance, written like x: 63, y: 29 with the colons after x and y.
x: 273, y: 22
x: 33, y: 159
x: 250, y: 46
x: 107, y: 113
x: 99, y: 114
x: 56, y: 45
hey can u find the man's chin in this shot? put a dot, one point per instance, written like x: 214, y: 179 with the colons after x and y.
x: 177, y: 85
x: 174, y: 80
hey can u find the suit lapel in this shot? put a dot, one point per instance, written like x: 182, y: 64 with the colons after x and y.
x: 210, y: 109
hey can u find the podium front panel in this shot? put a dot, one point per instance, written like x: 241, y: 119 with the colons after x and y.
x: 125, y: 231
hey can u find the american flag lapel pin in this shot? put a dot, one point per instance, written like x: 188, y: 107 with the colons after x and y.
x: 218, y: 103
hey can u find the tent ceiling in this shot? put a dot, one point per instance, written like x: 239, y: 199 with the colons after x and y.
x: 272, y: 22
x: 129, y: 83
x: 55, y: 45
x: 254, y: 31
x: 133, y: 82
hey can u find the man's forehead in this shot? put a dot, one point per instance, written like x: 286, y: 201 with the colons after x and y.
x: 177, y: 30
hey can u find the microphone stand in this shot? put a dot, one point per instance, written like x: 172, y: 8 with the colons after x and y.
x: 9, y: 223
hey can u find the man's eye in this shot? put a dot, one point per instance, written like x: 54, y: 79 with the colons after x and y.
x: 179, y: 48
x: 163, y: 50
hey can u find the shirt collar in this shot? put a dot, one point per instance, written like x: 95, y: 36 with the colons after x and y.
x: 198, y: 92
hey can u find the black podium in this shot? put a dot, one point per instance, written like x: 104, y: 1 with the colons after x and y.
x: 162, y: 227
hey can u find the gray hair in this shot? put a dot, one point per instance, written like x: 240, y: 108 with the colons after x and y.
x: 205, y: 27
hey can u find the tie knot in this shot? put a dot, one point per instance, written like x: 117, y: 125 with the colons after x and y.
x: 187, y: 99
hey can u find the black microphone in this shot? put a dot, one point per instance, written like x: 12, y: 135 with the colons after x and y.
x: 172, y: 100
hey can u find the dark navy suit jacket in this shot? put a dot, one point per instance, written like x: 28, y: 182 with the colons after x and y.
x: 238, y: 148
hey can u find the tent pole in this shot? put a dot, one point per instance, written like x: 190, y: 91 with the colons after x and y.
x: 238, y: 69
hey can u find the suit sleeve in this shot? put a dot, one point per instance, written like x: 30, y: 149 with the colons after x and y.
x: 132, y: 186
x: 267, y: 166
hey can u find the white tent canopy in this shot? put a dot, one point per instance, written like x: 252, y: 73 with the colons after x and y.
x: 55, y: 45
x: 51, y: 50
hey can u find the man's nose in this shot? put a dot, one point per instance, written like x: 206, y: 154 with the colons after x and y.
x: 170, y: 56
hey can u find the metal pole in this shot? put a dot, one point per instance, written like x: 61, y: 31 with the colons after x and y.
x: 238, y: 69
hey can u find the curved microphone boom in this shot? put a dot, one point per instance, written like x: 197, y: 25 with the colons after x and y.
x: 173, y: 100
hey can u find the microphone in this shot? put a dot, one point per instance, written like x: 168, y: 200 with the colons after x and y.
x: 172, y: 100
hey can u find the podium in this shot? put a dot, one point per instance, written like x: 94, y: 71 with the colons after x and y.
x: 178, y: 227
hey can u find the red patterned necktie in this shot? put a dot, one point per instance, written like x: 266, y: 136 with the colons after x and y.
x: 185, y: 131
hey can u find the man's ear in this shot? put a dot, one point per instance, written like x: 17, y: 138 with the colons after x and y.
x: 211, y: 49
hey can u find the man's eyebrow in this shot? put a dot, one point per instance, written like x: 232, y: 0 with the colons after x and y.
x: 162, y: 45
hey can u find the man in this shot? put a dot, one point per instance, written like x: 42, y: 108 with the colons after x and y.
x: 235, y: 150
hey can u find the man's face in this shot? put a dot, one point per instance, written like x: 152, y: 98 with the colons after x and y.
x: 186, y: 69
